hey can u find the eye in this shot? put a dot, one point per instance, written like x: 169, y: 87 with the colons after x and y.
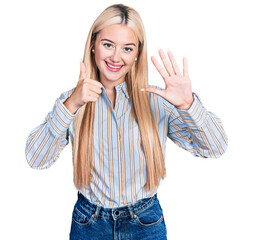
x: 108, y: 45
x: 128, y: 49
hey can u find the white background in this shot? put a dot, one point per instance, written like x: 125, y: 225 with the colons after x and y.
x: 41, y: 44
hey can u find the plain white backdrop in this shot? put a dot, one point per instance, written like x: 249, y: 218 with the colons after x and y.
x: 40, y: 47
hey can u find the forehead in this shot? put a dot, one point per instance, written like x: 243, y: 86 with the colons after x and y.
x: 118, y: 33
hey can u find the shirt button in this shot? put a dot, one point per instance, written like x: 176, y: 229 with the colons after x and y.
x: 116, y: 212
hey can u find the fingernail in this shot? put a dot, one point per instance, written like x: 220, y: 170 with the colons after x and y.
x: 142, y: 89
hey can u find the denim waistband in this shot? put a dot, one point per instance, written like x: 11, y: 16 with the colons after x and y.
x: 114, y: 213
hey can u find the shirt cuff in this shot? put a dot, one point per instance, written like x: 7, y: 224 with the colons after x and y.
x: 195, y: 116
x: 60, y: 118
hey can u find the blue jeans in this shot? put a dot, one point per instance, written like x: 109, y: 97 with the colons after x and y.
x: 142, y: 220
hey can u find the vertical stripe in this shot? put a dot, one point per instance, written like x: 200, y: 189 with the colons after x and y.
x: 110, y: 155
x: 117, y: 103
x: 119, y: 166
x: 131, y: 155
x: 123, y: 162
x: 142, y: 168
x: 96, y: 168
x: 101, y: 155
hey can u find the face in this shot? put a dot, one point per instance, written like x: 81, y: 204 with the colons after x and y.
x: 116, y: 48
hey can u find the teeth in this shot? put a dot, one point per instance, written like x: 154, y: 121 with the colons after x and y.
x: 113, y: 66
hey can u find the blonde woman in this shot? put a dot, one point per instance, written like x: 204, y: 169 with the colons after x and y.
x: 118, y: 126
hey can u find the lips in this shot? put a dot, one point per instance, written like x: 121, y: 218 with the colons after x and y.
x: 113, y: 67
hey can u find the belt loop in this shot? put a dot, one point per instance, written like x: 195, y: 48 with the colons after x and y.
x: 96, y: 213
x: 130, y: 208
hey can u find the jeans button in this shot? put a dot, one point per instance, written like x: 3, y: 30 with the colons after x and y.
x: 116, y: 213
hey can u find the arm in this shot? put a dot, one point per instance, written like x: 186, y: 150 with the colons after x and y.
x: 196, y: 130
x: 46, y: 141
x: 191, y: 126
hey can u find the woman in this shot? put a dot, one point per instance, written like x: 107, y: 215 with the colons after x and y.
x: 118, y: 126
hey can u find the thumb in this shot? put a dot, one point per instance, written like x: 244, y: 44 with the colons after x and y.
x: 154, y: 90
x: 82, y: 70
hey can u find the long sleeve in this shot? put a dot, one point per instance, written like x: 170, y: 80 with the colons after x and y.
x: 196, y: 130
x: 47, y: 140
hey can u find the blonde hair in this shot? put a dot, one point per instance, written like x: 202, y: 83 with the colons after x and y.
x: 136, y: 78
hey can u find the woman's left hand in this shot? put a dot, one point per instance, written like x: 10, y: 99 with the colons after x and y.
x: 178, y: 89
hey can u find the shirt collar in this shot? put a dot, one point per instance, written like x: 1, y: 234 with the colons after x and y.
x: 121, y: 87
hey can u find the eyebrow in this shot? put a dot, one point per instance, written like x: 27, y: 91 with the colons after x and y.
x: 127, y: 44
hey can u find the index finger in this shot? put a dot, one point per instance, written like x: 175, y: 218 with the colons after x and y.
x: 94, y: 82
x: 159, y: 68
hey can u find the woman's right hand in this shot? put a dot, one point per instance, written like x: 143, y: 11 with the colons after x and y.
x: 87, y: 90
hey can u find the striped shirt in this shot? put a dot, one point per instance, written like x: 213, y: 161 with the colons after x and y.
x: 119, y: 172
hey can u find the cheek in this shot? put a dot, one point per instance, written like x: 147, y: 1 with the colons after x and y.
x: 99, y: 59
x: 130, y: 60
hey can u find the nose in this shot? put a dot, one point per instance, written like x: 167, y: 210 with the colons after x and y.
x: 116, y: 55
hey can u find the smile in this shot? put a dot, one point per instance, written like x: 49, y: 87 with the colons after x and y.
x: 112, y: 67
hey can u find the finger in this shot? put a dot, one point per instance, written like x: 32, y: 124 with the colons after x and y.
x: 159, y: 67
x: 82, y: 71
x: 185, y: 67
x: 173, y: 63
x: 93, y: 97
x: 94, y: 82
x: 155, y: 91
x: 95, y: 89
x: 166, y: 62
x: 93, y: 94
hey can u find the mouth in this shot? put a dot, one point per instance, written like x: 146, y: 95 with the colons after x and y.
x: 113, y: 67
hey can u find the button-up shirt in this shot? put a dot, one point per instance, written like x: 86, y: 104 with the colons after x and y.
x: 119, y: 172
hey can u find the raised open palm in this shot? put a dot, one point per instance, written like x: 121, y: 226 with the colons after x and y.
x: 178, y: 90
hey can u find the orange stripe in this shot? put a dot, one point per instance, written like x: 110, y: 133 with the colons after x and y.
x: 142, y: 170
x: 65, y: 113
x: 38, y: 134
x: 54, y: 126
x: 123, y: 163
x: 214, y: 138
x: 221, y: 131
x: 131, y: 154
x: 206, y: 142
x: 110, y: 156
x: 119, y: 165
x: 47, y: 153
x: 39, y: 149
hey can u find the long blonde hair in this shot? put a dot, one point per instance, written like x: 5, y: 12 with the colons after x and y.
x: 136, y: 79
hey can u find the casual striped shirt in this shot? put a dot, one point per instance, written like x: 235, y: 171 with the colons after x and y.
x: 119, y: 172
